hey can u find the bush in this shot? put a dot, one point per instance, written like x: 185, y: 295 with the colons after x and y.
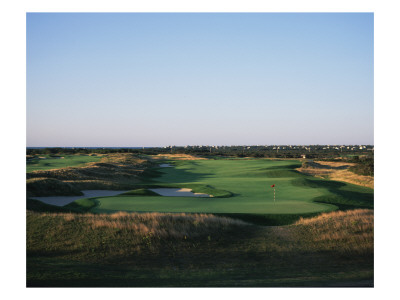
x: 363, y: 167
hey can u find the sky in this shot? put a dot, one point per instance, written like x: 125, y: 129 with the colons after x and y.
x: 158, y: 79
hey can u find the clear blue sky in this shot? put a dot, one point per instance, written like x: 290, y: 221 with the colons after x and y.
x: 188, y: 79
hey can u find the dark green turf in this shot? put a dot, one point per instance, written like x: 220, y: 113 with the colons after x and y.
x: 249, y: 182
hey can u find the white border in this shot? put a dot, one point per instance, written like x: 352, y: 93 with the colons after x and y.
x: 12, y: 24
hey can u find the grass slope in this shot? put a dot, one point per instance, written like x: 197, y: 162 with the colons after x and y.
x: 248, y: 181
x: 155, y: 249
x: 49, y: 162
x: 113, y: 172
x: 50, y: 187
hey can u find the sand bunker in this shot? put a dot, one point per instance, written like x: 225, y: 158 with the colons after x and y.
x: 165, y: 166
x: 174, y: 192
x: 64, y: 200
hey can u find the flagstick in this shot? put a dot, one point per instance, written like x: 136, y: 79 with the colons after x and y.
x: 274, y: 195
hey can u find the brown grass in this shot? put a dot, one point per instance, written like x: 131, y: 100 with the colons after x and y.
x: 123, y: 159
x: 158, y: 225
x: 342, y: 231
x: 123, y: 237
x: 127, y: 247
x: 178, y: 157
x: 154, y: 239
x: 336, y: 171
x: 335, y: 164
x: 50, y: 187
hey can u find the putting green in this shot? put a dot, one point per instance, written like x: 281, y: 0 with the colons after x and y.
x: 250, y: 182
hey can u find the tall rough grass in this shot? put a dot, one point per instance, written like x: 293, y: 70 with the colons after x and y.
x: 342, y: 231
x: 178, y: 157
x: 158, y: 224
x: 50, y: 187
x: 121, y: 235
x: 336, y: 171
x: 86, y: 248
x: 207, y: 241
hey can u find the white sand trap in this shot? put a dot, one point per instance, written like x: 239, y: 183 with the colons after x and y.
x: 64, y: 200
x: 173, y: 192
x: 165, y: 166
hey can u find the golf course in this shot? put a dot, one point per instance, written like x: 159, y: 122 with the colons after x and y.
x: 198, y: 149
x: 237, y: 187
x: 195, y: 221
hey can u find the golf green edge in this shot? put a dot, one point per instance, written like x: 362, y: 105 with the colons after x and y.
x: 241, y: 189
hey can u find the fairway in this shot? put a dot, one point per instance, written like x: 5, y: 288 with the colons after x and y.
x: 250, y: 183
x: 48, y: 162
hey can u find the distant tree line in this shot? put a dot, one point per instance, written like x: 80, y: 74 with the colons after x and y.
x: 314, y: 152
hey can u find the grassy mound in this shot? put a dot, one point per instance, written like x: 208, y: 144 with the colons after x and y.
x: 79, y: 206
x: 50, y: 187
x: 82, y: 205
x: 48, y: 162
x: 139, y: 192
x: 201, y: 188
x: 113, y: 172
x: 110, y: 237
x: 155, y: 249
x: 196, y: 188
x: 39, y: 206
x: 269, y: 219
x: 343, y: 231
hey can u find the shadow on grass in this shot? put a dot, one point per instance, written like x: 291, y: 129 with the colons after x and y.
x: 176, y: 175
x: 315, y: 183
x: 343, y: 195
x: 248, y: 268
x: 39, y: 206
x: 268, y: 219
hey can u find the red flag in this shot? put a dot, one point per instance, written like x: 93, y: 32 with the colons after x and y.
x: 273, y: 185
